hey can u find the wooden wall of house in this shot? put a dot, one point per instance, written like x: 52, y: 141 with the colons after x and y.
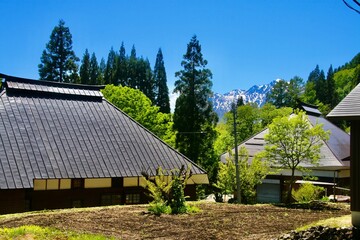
x: 355, y: 165
x: 13, y: 201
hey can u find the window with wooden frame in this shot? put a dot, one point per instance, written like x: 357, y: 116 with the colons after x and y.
x: 132, y: 198
x: 107, y: 200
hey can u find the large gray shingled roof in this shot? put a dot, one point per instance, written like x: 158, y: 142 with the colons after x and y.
x: 54, y: 130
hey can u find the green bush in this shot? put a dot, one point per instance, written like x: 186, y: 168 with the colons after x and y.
x: 167, y: 192
x: 159, y: 208
x: 307, y: 192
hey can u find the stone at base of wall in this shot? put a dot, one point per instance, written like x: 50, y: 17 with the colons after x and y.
x: 355, y: 218
x: 323, y: 233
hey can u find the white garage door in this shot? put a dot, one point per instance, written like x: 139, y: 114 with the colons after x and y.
x: 268, y: 191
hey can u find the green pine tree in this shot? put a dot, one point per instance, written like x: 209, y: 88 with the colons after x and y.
x: 94, y: 71
x: 194, y: 118
x: 132, y: 72
x: 58, y: 60
x: 110, y: 70
x: 331, y: 94
x: 121, y: 73
x: 161, y: 88
x: 85, y: 68
x: 144, y: 78
x: 321, y: 87
x: 102, y: 68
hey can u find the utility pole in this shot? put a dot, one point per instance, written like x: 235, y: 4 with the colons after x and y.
x: 238, y: 193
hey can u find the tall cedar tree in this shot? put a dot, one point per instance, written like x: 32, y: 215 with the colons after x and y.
x: 321, y: 87
x: 94, y: 71
x: 58, y: 60
x: 145, y: 78
x: 161, y: 88
x: 85, y: 68
x: 316, y: 87
x: 102, y: 68
x: 331, y: 91
x: 121, y: 73
x: 194, y: 118
x: 132, y: 70
x: 110, y: 70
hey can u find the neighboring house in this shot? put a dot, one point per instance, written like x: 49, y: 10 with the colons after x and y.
x: 349, y: 109
x: 64, y: 145
x: 334, y: 164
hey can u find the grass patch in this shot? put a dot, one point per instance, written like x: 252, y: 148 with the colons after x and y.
x: 337, y: 222
x: 45, y: 233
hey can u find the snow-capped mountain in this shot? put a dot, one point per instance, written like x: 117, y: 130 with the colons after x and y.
x: 255, y: 94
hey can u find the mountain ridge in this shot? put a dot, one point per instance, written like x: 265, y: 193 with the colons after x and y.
x: 255, y: 94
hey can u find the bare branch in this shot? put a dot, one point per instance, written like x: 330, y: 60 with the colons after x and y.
x: 349, y: 6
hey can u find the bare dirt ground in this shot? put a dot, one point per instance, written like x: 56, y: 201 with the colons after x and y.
x: 215, y: 221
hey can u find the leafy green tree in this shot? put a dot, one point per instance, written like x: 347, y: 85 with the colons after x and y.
x: 247, y: 121
x: 285, y: 94
x: 161, y: 88
x: 85, y: 68
x: 226, y: 179
x: 139, y: 107
x: 251, y: 175
x: 295, y: 88
x: 278, y: 94
x: 110, y: 70
x: 194, y: 118
x: 224, y: 141
x: 292, y: 141
x: 309, y: 95
x: 94, y: 71
x: 269, y: 112
x: 58, y: 60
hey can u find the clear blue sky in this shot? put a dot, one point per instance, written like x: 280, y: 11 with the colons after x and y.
x: 245, y: 42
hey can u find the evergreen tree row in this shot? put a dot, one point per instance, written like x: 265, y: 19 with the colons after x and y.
x: 59, y: 63
x: 130, y: 71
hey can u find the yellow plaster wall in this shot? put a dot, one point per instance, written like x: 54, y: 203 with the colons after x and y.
x: 65, y: 183
x: 131, y: 182
x: 97, y: 183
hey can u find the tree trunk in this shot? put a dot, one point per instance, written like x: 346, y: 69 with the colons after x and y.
x: 292, y: 180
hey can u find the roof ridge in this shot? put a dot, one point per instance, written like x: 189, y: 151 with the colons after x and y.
x: 51, y: 83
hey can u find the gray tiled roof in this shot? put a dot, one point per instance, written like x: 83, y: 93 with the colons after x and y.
x: 49, y: 131
x: 349, y: 107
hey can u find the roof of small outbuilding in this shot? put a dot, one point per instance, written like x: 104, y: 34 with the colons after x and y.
x: 335, y: 153
x: 349, y: 107
x: 56, y: 130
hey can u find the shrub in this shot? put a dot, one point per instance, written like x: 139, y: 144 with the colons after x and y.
x: 159, y: 208
x: 168, y: 191
x: 307, y: 192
